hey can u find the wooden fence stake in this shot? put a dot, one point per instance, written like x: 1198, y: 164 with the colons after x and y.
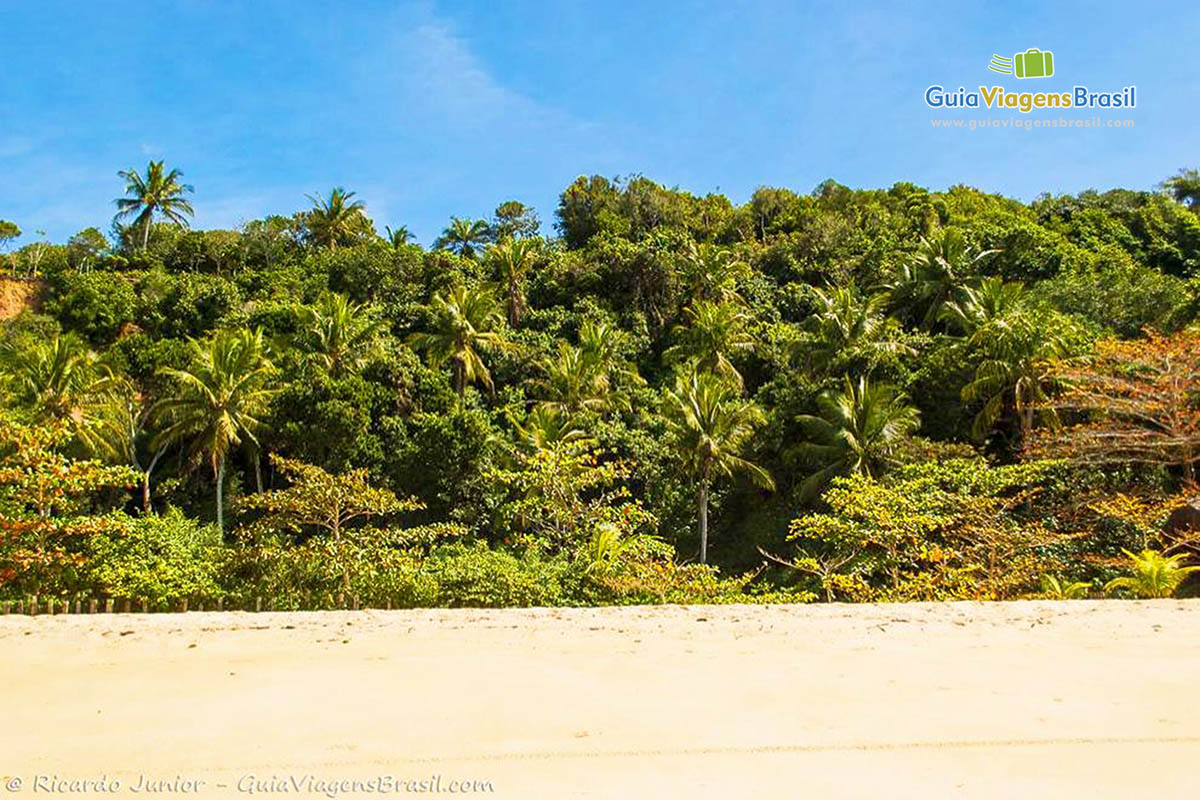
x: 33, y: 606
x: 220, y: 604
x: 145, y: 605
x: 4, y: 608
x: 183, y: 605
x: 20, y: 606
x: 92, y: 606
x: 258, y: 604
x: 108, y: 605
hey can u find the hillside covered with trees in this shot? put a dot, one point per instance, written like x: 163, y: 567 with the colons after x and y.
x: 841, y: 395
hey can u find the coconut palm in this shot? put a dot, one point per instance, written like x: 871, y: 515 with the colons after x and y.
x: 544, y: 427
x: 573, y: 382
x: 848, y: 327
x: 1154, y: 575
x: 463, y: 236
x: 59, y: 379
x: 855, y: 431
x: 340, y: 334
x: 940, y: 268
x: 336, y: 221
x: 512, y: 259
x: 603, y: 344
x: 711, y: 424
x: 1185, y: 187
x: 218, y: 402
x: 399, y: 237
x: 976, y: 306
x: 712, y: 335
x: 465, y: 321
x: 713, y: 273
x: 158, y: 192
x: 1013, y: 377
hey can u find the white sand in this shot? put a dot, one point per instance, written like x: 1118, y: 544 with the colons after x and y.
x: 1028, y: 700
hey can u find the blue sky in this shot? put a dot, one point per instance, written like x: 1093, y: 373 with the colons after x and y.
x: 429, y: 110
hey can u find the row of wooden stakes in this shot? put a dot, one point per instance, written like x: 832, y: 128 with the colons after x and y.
x: 33, y: 606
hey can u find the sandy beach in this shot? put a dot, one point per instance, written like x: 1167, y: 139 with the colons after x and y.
x: 1025, y: 699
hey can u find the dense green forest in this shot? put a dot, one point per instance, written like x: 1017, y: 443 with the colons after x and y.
x: 837, y: 395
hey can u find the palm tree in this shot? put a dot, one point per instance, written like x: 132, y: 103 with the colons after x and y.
x: 574, y: 382
x: 939, y: 269
x: 714, y: 333
x: 849, y: 327
x: 337, y: 220
x: 1018, y: 354
x: 713, y: 273
x: 602, y: 345
x: 59, y: 379
x: 976, y: 306
x: 218, y: 401
x: 1154, y: 575
x: 463, y: 236
x: 512, y: 258
x: 465, y: 320
x: 544, y: 427
x: 855, y: 432
x: 711, y: 424
x: 158, y: 192
x: 399, y: 237
x: 339, y: 333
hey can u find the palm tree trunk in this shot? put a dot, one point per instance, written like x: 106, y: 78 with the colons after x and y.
x: 221, y: 495
x: 147, y: 508
x: 146, y: 233
x: 702, y: 499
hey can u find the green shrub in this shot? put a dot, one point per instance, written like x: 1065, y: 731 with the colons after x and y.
x: 161, y: 558
x: 474, y: 576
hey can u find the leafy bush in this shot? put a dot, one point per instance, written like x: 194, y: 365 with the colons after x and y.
x: 161, y: 558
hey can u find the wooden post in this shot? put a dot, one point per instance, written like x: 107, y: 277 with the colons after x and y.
x: 354, y: 602
x: 20, y: 606
x: 183, y: 605
x: 108, y: 605
x: 258, y: 604
x: 4, y: 608
x: 33, y: 606
x: 124, y: 605
x: 145, y: 605
x: 92, y: 606
x: 389, y: 604
x: 220, y: 604
x: 78, y: 606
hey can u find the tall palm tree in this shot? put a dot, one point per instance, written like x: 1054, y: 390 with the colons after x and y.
x: 463, y: 236
x: 976, y: 306
x: 713, y: 273
x: 336, y: 221
x: 941, y: 266
x: 712, y: 335
x: 339, y: 333
x: 1018, y: 353
x: 399, y: 237
x: 855, y: 431
x: 711, y: 424
x: 603, y: 345
x: 512, y: 259
x: 58, y: 379
x: 218, y: 402
x: 847, y: 326
x: 157, y: 192
x: 573, y: 382
x: 544, y: 427
x: 1185, y: 187
x: 465, y: 320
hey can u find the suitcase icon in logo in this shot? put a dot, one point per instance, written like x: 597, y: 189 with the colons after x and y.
x: 1033, y: 63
